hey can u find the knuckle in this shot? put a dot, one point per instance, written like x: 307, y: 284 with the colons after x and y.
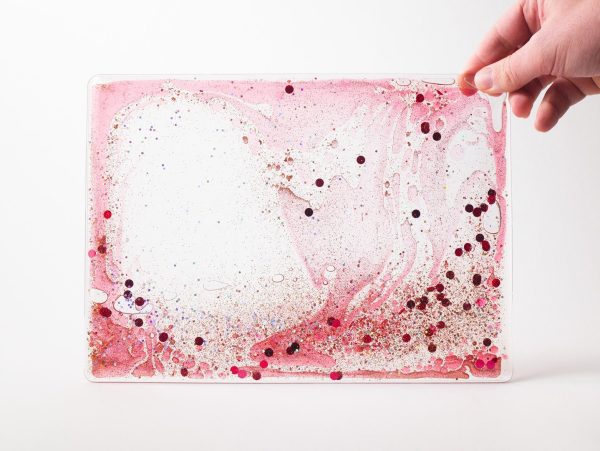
x: 508, y: 74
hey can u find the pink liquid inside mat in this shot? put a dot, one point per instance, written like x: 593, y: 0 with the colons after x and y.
x: 301, y: 230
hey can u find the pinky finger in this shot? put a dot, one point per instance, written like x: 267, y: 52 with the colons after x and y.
x: 561, y: 95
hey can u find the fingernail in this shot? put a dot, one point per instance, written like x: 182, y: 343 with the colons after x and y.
x: 483, y: 79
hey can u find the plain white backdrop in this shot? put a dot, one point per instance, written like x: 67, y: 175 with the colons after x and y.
x: 49, y: 50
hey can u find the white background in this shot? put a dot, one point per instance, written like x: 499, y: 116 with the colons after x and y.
x: 49, y: 49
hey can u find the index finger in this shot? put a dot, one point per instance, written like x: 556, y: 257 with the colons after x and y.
x: 507, y: 35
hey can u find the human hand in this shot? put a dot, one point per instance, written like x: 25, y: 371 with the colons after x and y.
x: 535, y: 44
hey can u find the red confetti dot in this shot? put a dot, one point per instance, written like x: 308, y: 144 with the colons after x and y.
x: 439, y: 287
x: 468, y: 208
x: 139, y: 301
x: 410, y: 304
x: 269, y: 352
x: 430, y: 289
x: 479, y: 363
x: 242, y: 374
x: 446, y: 302
x: 476, y: 279
x: 468, y: 247
x: 491, y: 192
x: 477, y: 212
x: 336, y: 323
x: 127, y: 294
x: 458, y: 252
x: 199, y: 341
x: 264, y: 364
x: 184, y: 372
x: 420, y: 98
x: 485, y: 245
x: 234, y: 369
x: 487, y: 342
x: 107, y: 214
x: 289, y: 89
x: 416, y: 214
x: 105, y: 312
x: 450, y: 274
x: 440, y: 296
x: 479, y: 237
x: 335, y: 375
x: 490, y: 365
x: 422, y: 305
x: 483, y: 207
x: 129, y: 283
x: 425, y: 127
x: 308, y: 212
x: 319, y: 182
x: 139, y: 322
x: 496, y: 283
x: 467, y: 306
x: 367, y: 339
x: 437, y: 136
x: 256, y: 375
x: 431, y: 347
x: 406, y: 338
x: 102, y: 249
x: 91, y: 253
x: 360, y: 159
x: 441, y: 324
x: 491, y: 200
x: 163, y: 336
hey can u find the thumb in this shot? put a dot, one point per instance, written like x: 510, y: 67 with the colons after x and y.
x: 516, y: 70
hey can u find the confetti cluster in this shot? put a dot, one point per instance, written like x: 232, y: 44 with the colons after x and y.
x: 297, y: 230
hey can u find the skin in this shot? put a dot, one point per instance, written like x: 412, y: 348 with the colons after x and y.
x: 536, y: 44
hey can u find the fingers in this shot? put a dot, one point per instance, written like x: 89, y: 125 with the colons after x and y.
x: 509, y: 33
x: 516, y: 70
x: 558, y: 99
x: 522, y: 100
